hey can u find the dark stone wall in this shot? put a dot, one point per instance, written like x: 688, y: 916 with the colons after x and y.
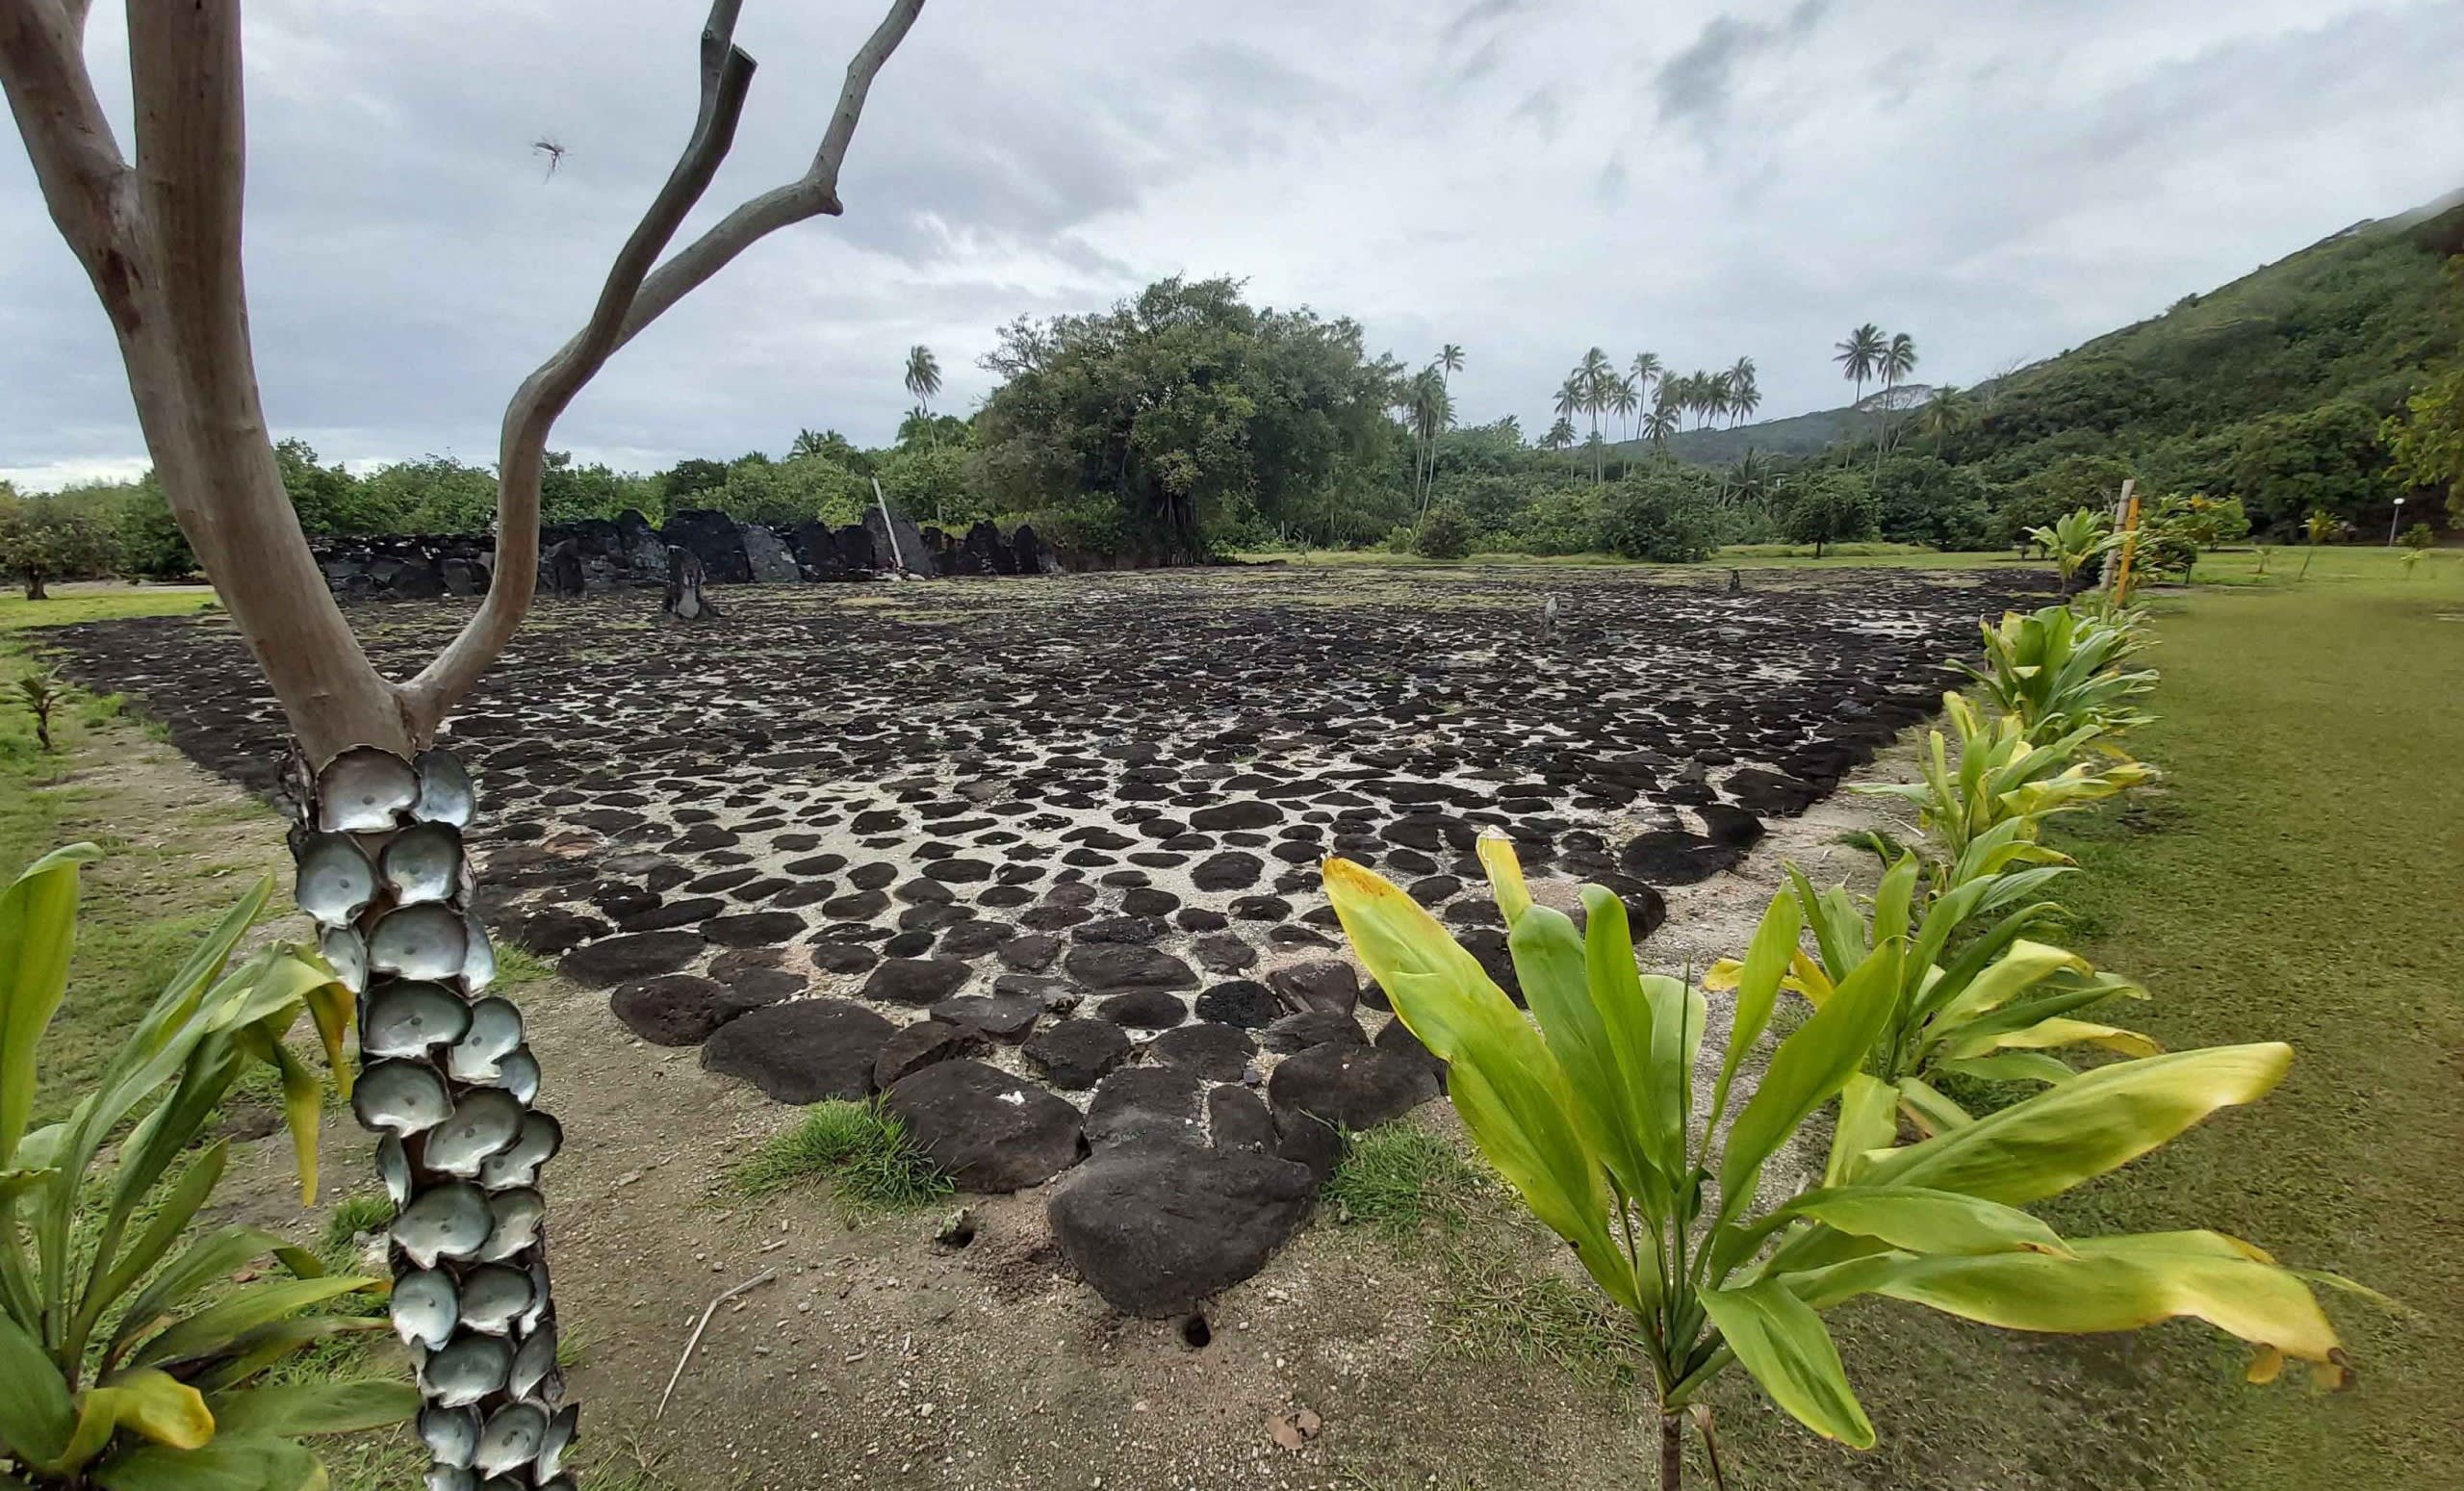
x: 602, y: 554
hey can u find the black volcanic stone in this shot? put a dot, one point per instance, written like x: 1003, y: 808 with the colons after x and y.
x: 916, y: 981
x: 1144, y: 1009
x: 630, y: 955
x: 1156, y: 1228
x: 1109, y: 968
x: 1221, y: 952
x: 1230, y: 871
x: 1007, y: 1019
x: 806, y: 1051
x: 1144, y: 1105
x: 1325, y: 985
x: 986, y: 1130
x: 1295, y: 1033
x: 1218, y: 1052
x: 1352, y: 1087
x: 1224, y: 816
x: 678, y: 1009
x: 1672, y: 856
x: 919, y: 1045
x: 855, y: 906
x: 1244, y: 1003
x: 1076, y: 1053
x: 754, y: 929
x: 550, y: 930
x: 831, y: 957
x: 671, y: 914
x: 1120, y: 929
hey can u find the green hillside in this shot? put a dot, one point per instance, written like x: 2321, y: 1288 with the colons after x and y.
x: 2271, y: 388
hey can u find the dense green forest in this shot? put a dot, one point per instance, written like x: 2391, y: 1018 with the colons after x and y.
x: 1185, y: 421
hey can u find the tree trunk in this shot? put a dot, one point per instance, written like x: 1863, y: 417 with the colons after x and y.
x: 448, y: 1082
x: 1672, y: 1451
x: 34, y: 590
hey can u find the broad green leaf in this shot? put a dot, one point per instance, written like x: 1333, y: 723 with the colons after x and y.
x: 1629, y: 1010
x: 232, y: 1463
x: 303, y: 1100
x: 1868, y: 1120
x: 36, y: 1414
x: 1808, y: 1070
x: 2011, y: 1067
x: 1934, y: 1112
x: 1757, y: 990
x: 1507, y: 1086
x: 1505, y: 876
x: 1927, y: 1221
x: 2098, y: 1121
x: 307, y: 1408
x: 213, y: 1329
x: 1551, y: 962
x: 2058, y: 1031
x: 1781, y: 1340
x: 2110, y: 1283
x: 37, y: 929
x: 2024, y: 965
x: 1892, y: 899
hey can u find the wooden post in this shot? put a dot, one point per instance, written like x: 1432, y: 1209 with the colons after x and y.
x: 2129, y: 539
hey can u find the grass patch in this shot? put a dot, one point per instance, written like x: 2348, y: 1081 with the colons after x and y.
x: 871, y: 1166
x: 1403, y: 1181
x: 353, y: 1215
x: 1508, y: 1306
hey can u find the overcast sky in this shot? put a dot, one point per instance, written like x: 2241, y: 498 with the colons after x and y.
x: 1708, y: 180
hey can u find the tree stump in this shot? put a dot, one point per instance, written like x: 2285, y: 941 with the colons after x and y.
x: 684, y: 579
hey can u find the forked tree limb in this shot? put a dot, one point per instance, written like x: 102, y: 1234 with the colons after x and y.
x: 634, y: 296
x: 160, y: 242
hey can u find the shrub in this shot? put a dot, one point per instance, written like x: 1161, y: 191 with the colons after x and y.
x: 128, y: 1360
x: 1442, y: 534
x: 1651, y: 518
x: 1834, y: 507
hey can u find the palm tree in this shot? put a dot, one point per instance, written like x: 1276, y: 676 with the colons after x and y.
x: 1431, y: 412
x: 1744, y: 396
x: 1624, y: 397
x: 1719, y: 393
x: 1949, y: 412
x: 806, y: 442
x: 1560, y: 435
x: 1898, y: 361
x: 1860, y: 357
x: 1592, y: 375
x: 923, y: 376
x: 1645, y: 370
x: 1660, y: 424
x: 1449, y: 362
x: 1570, y: 399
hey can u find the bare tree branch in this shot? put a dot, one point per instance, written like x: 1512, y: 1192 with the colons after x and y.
x: 813, y: 194
x: 632, y: 296
x: 84, y: 179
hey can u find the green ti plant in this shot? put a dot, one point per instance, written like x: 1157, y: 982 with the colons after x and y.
x: 130, y: 1360
x: 2076, y: 539
x: 2057, y: 669
x: 1999, y: 777
x: 42, y: 691
x: 1598, y: 1119
x: 2315, y: 529
x: 1974, y: 996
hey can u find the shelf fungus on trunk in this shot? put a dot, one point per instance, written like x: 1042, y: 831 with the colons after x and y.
x: 448, y: 1084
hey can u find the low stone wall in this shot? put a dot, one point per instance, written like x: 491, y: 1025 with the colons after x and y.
x: 602, y: 554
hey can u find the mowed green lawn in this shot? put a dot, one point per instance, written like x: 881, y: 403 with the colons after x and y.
x: 2301, y: 877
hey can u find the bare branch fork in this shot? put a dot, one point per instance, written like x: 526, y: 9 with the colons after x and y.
x: 160, y: 242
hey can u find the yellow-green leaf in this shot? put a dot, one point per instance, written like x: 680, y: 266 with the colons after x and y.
x: 2096, y: 1122
x: 1505, y: 876
x: 1868, y: 1120
x: 37, y: 929
x: 1781, y: 1340
x: 1927, y: 1221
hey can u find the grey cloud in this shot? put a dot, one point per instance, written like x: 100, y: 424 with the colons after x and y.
x: 1696, y: 84
x: 1483, y: 12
